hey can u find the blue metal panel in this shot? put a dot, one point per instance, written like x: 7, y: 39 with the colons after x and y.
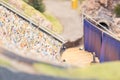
x: 92, y: 38
x: 110, y: 50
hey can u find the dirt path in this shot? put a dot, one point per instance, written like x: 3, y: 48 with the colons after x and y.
x: 69, y: 18
x: 77, y: 57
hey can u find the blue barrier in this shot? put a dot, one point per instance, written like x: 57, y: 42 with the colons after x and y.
x: 92, y: 38
x: 110, y: 49
x: 105, y: 46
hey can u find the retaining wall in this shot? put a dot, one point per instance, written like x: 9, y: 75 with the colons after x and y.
x: 104, y: 44
x: 19, y: 32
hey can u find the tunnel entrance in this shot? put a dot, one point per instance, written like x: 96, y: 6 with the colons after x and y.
x: 103, y: 25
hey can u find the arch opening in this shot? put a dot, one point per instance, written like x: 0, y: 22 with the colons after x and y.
x: 104, y: 25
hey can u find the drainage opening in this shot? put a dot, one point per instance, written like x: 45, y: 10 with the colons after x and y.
x: 104, y: 25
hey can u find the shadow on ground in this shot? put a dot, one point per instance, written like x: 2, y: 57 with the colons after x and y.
x: 25, y: 60
x: 13, y: 74
x: 8, y: 74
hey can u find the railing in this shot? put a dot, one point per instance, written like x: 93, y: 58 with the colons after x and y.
x: 85, y: 16
x: 103, y: 42
x: 33, y: 22
x: 30, y: 20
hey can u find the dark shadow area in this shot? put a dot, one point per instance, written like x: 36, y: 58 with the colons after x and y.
x: 71, y: 44
x: 94, y: 60
x: 75, y: 43
x: 6, y: 74
x: 104, y: 25
x: 9, y: 74
x: 18, y: 58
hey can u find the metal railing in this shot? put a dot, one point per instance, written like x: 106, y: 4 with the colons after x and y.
x: 32, y: 21
x: 85, y: 16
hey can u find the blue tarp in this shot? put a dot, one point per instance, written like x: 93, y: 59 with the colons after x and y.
x: 92, y: 38
x: 110, y: 49
x: 105, y: 46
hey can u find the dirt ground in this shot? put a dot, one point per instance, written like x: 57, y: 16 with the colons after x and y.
x: 77, y: 57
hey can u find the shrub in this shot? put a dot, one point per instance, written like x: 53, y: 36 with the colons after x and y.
x: 117, y: 10
x: 37, y: 4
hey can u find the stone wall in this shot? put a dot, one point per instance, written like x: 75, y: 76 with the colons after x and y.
x: 18, y: 33
x: 36, y: 16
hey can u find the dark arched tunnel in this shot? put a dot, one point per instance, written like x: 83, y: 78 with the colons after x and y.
x: 103, y: 25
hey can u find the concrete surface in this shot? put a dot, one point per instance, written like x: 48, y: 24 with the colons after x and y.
x: 69, y: 18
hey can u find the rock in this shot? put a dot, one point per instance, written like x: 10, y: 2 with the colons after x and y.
x: 104, y: 2
x: 90, y: 7
x: 102, y: 10
x: 23, y: 35
x: 36, y: 16
x: 117, y: 21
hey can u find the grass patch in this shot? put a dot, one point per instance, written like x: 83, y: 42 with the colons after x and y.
x: 28, y: 9
x: 57, y: 27
x: 105, y: 71
x: 50, y: 70
x: 4, y: 63
x: 30, y: 12
x: 6, y: 0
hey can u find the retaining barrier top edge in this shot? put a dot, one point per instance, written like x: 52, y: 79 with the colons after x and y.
x: 108, y: 32
x: 21, y: 14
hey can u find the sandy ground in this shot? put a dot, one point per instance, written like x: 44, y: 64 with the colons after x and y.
x: 77, y: 57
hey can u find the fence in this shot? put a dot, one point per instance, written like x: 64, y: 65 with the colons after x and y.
x: 32, y: 21
x: 104, y: 43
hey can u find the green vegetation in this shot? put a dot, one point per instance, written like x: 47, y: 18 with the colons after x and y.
x: 117, y: 10
x: 37, y: 4
x: 57, y: 27
x: 6, y: 0
x: 4, y: 63
x: 105, y: 71
x: 50, y: 70
x: 30, y: 11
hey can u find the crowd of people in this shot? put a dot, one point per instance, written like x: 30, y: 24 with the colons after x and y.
x: 17, y: 33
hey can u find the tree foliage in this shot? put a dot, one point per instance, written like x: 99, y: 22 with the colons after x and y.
x: 37, y: 4
x: 117, y: 10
